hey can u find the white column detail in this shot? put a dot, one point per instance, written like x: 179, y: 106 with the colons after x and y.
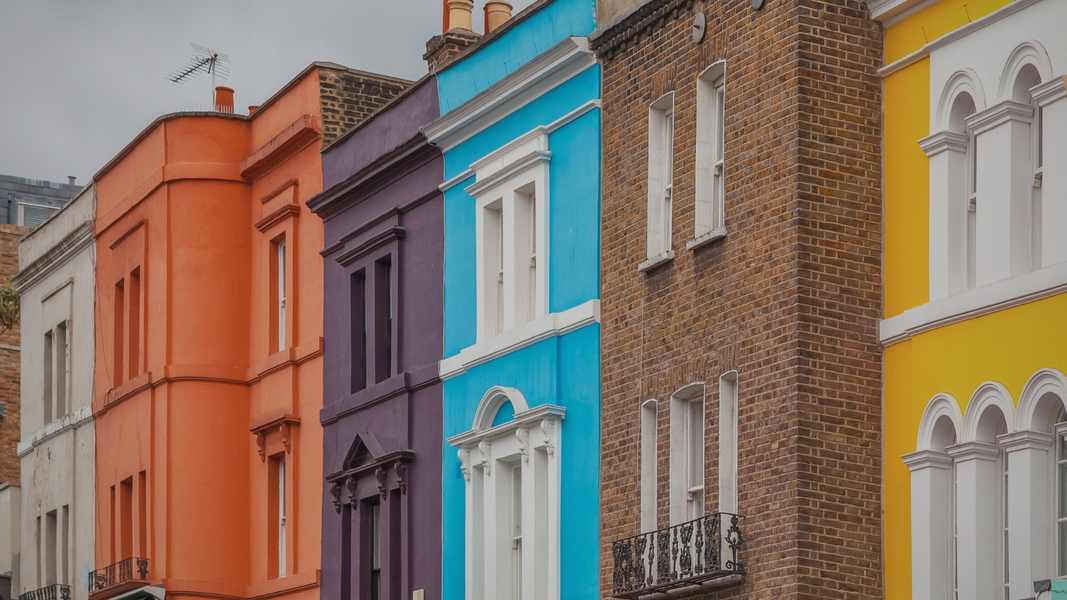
x: 947, y: 151
x: 1050, y: 98
x: 977, y: 531
x: 931, y: 524
x: 1029, y: 460
x: 1003, y: 190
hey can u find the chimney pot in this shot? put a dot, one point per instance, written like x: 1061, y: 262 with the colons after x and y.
x: 460, y: 14
x: 224, y: 99
x: 252, y: 108
x: 497, y: 12
x: 71, y: 178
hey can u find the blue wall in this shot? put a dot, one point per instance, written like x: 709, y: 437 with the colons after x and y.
x: 563, y: 370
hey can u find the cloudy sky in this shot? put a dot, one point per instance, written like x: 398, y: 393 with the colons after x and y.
x: 80, y: 78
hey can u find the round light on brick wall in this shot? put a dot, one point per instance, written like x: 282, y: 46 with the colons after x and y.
x: 700, y: 27
x: 758, y: 4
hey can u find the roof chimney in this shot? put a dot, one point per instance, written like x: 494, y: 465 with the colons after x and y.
x: 457, y: 35
x: 497, y: 12
x: 252, y: 108
x: 71, y: 179
x: 224, y: 99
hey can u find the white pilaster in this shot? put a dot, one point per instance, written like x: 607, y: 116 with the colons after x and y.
x: 947, y: 151
x: 1050, y: 97
x: 977, y: 530
x: 931, y: 524
x: 1003, y: 189
x: 1029, y: 462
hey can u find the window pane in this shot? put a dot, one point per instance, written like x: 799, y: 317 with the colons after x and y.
x: 1062, y: 544
x: 1062, y: 490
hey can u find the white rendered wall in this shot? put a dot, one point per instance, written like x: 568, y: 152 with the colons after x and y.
x: 57, y: 458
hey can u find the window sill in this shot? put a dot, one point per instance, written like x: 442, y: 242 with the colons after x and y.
x: 701, y: 240
x: 655, y: 261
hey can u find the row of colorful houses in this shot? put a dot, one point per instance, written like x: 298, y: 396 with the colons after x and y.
x: 628, y: 298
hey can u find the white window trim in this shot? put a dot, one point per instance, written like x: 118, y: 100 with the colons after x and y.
x: 687, y: 497
x: 649, y: 464
x: 516, y: 442
x: 728, y: 392
x: 710, y: 221
x: 660, y: 184
x: 503, y: 176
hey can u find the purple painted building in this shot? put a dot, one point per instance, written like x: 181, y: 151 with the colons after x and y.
x: 383, y: 217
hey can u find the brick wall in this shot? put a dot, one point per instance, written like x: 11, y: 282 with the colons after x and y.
x: 790, y: 298
x: 9, y: 361
x: 349, y: 96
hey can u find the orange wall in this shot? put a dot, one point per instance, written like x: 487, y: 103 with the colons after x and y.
x: 175, y: 204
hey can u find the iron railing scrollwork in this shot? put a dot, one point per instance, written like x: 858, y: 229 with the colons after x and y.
x: 56, y: 591
x: 689, y: 554
x: 126, y: 570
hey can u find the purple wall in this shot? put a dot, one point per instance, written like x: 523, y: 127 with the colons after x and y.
x: 382, y: 207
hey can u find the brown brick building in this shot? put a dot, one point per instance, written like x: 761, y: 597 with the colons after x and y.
x: 777, y: 305
x: 9, y: 361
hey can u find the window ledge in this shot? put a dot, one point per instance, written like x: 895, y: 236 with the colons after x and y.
x: 701, y: 240
x: 990, y: 298
x: 657, y: 260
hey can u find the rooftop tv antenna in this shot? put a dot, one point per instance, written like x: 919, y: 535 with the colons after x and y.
x: 204, y: 60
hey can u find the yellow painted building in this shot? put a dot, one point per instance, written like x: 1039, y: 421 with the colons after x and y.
x: 975, y: 306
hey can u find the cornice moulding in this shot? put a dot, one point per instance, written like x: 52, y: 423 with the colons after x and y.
x: 925, y: 459
x: 549, y: 69
x: 528, y: 334
x: 973, y: 451
x: 54, y: 429
x: 506, y: 173
x: 1050, y: 91
x: 948, y: 38
x: 999, y: 114
x: 941, y: 141
x: 999, y: 295
x: 58, y: 255
x: 525, y: 418
x: 1026, y: 440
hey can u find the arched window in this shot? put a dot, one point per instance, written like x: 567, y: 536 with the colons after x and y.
x: 932, y: 517
x: 510, y: 460
x: 687, y: 454
x: 953, y: 187
x: 981, y: 549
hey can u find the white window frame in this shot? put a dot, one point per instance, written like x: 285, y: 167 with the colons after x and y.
x: 512, y: 253
x: 22, y: 212
x: 649, y: 464
x: 660, y: 181
x: 728, y: 391
x: 488, y: 455
x: 710, y: 209
x: 688, y: 449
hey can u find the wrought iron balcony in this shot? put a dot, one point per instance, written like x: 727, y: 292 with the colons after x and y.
x: 127, y: 571
x: 686, y: 557
x: 56, y: 591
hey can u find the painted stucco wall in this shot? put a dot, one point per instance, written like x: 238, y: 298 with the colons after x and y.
x: 402, y: 412
x: 563, y: 369
x: 57, y: 283
x: 1007, y: 346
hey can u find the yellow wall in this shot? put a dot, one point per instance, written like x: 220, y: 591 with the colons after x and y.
x: 1007, y: 347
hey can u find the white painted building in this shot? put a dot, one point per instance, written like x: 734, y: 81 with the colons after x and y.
x: 57, y: 448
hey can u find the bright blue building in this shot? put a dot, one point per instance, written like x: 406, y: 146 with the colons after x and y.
x: 520, y: 133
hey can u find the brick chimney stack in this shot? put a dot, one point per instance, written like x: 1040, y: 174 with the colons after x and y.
x: 457, y: 36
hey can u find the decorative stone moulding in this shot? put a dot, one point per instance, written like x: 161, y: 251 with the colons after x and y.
x: 283, y: 425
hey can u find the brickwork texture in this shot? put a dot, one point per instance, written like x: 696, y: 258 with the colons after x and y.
x: 9, y: 362
x: 349, y: 96
x: 789, y: 299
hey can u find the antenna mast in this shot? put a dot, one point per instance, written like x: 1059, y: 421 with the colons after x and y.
x: 204, y: 60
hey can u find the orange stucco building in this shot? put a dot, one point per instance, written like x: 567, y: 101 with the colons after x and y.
x: 208, y: 378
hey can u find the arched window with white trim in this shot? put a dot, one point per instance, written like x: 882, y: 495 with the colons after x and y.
x: 953, y: 187
x: 510, y: 461
x: 687, y: 490
x: 981, y: 554
x: 932, y: 511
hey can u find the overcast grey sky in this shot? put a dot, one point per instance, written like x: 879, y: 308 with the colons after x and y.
x: 80, y: 78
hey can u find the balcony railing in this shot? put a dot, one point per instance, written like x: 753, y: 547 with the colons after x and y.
x: 697, y: 554
x: 125, y: 571
x: 56, y: 591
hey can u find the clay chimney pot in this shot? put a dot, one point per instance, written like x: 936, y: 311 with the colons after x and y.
x: 224, y: 99
x: 459, y: 14
x: 497, y: 12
